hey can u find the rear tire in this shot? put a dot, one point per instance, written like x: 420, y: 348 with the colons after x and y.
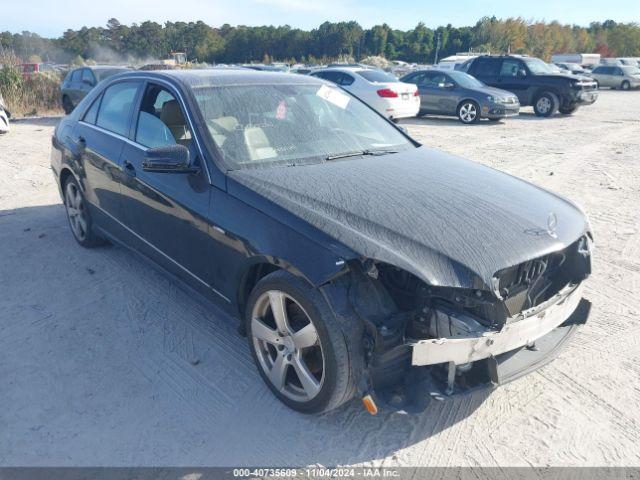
x: 78, y: 215
x: 546, y: 104
x: 310, y: 373
x: 67, y: 106
x: 625, y: 85
x: 468, y: 112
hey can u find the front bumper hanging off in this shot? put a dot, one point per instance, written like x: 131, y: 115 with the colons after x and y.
x: 515, y: 334
x: 463, y: 364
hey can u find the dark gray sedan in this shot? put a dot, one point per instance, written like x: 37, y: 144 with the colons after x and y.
x: 81, y: 81
x: 460, y: 94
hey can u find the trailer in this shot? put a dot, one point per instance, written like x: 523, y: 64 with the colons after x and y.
x: 584, y: 59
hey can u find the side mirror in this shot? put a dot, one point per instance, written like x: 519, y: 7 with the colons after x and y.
x: 522, y: 73
x: 169, y: 159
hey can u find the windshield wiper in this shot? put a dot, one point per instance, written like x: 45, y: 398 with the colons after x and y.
x: 360, y: 153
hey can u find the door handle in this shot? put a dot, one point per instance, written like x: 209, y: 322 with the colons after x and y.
x: 129, y: 169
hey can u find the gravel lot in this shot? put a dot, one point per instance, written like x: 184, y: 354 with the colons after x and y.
x: 103, y: 361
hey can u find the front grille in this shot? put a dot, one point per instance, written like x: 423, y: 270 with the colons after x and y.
x: 531, y: 283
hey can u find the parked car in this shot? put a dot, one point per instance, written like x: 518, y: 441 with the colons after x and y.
x: 584, y: 59
x: 534, y: 83
x: 573, y: 68
x: 357, y: 260
x: 5, y: 115
x: 382, y: 91
x: 621, y: 77
x: 80, y: 81
x: 29, y: 69
x: 457, y: 93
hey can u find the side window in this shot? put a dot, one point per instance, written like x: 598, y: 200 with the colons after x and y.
x: 439, y: 79
x: 510, y: 68
x: 76, y: 75
x: 87, y: 76
x: 487, y: 67
x: 92, y: 114
x: 331, y: 76
x: 346, y: 79
x: 161, y: 120
x: 430, y: 79
x: 115, y: 110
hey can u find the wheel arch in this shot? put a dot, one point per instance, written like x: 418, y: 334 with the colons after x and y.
x: 467, y: 99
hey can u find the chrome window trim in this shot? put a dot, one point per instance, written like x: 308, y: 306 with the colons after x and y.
x: 172, y: 89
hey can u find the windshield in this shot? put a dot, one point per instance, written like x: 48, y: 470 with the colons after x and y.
x: 631, y: 70
x: 537, y: 66
x: 465, y: 80
x: 101, y: 74
x: 377, y: 76
x: 259, y: 125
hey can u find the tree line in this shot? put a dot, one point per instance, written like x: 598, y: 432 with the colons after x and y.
x: 148, y: 40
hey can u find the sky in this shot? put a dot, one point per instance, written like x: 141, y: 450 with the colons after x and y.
x: 50, y: 18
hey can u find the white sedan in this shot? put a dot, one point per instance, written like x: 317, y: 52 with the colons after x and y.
x: 381, y: 90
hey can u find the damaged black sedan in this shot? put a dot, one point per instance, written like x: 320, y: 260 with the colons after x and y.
x: 360, y: 263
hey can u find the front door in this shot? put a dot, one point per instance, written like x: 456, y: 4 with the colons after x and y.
x: 167, y: 211
x: 512, y: 77
x: 435, y: 93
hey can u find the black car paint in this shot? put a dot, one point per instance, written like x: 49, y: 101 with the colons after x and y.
x: 529, y: 86
x: 449, y: 221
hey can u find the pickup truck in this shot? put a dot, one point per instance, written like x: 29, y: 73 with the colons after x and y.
x: 534, y: 82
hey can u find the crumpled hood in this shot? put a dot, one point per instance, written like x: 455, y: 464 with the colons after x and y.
x: 447, y: 220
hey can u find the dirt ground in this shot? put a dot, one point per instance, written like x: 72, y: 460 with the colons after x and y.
x: 103, y: 361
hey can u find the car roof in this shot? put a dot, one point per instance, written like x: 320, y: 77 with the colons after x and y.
x: 224, y: 77
x: 103, y: 67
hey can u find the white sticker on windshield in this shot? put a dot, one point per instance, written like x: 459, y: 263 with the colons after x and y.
x: 333, y: 95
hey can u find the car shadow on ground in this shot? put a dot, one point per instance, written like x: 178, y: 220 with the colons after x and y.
x: 99, y: 344
x: 46, y: 121
x: 449, y: 122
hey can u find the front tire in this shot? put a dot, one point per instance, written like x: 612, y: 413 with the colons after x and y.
x: 468, y: 112
x: 300, y: 349
x: 78, y: 215
x: 625, y: 85
x: 546, y: 104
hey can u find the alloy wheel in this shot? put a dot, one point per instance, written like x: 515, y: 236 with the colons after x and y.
x: 544, y: 105
x: 468, y: 112
x: 76, y: 212
x: 287, y: 346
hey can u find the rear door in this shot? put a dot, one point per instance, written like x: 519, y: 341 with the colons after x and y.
x: 73, y: 89
x: 87, y: 82
x: 167, y: 211
x: 99, y: 138
x: 487, y: 69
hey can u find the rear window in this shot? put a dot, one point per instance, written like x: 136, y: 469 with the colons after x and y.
x: 487, y: 67
x: 377, y: 76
